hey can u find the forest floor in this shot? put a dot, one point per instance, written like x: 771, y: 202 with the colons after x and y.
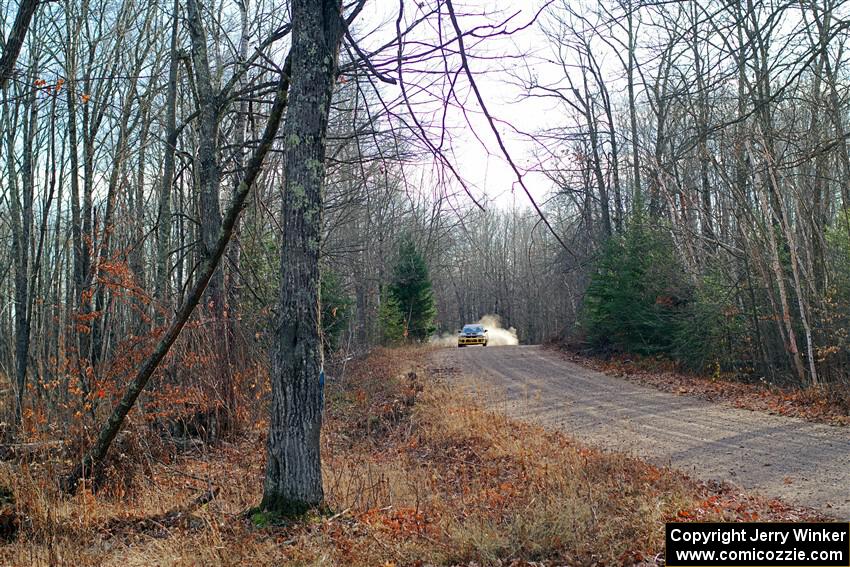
x: 417, y: 473
x: 800, y: 461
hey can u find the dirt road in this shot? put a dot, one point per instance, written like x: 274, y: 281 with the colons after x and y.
x: 803, y: 463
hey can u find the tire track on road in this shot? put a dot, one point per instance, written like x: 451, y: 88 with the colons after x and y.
x: 803, y: 463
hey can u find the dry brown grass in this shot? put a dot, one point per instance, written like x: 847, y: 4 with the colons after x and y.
x: 416, y: 473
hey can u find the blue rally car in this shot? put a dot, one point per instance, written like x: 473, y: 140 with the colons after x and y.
x: 474, y: 334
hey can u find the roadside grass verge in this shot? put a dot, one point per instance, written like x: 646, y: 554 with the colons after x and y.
x: 416, y: 473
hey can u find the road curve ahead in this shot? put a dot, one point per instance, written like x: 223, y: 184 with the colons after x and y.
x: 804, y: 463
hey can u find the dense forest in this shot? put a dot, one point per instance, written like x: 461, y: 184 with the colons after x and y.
x: 190, y: 190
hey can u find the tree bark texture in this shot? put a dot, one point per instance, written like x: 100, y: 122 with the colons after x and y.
x: 293, y: 481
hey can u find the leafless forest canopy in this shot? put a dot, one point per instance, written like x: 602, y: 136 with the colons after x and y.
x: 691, y: 190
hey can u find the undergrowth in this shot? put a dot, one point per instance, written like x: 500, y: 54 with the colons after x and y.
x: 416, y: 473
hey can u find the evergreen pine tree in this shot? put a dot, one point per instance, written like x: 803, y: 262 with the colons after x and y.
x: 390, y: 319
x: 637, y: 299
x: 337, y: 307
x: 411, y: 289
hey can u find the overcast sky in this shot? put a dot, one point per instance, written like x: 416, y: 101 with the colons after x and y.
x: 477, y: 155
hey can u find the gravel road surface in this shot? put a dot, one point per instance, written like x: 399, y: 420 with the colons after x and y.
x: 804, y: 463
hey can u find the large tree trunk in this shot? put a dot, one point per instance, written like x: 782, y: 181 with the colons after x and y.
x: 294, y: 473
